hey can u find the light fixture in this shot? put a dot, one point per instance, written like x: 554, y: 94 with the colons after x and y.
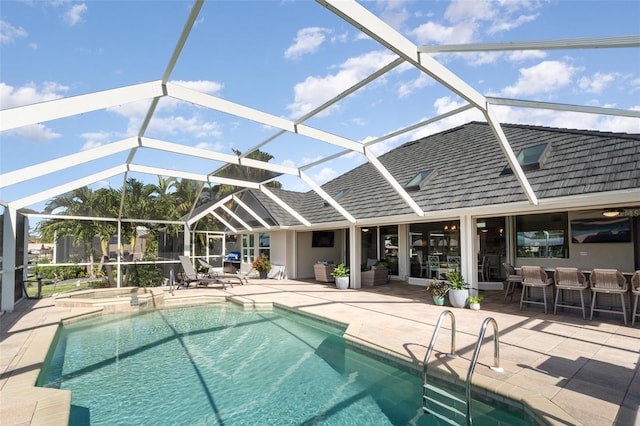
x: 611, y: 212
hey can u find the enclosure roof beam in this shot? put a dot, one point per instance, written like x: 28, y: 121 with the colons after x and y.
x: 70, y: 186
x: 45, y: 111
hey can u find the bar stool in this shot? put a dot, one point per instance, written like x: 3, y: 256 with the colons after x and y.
x: 635, y: 290
x: 573, y: 280
x: 513, y: 278
x: 608, y: 281
x: 534, y: 276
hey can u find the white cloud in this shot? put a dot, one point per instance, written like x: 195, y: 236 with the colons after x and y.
x: 508, y: 23
x: 432, y: 32
x: 315, y: 90
x: 192, y: 126
x: 546, y: 77
x: 597, y: 83
x: 95, y: 139
x: 307, y: 41
x: 407, y: 88
x: 74, y: 14
x: 38, y: 133
x: 324, y: 175
x: 9, y: 33
x: 211, y: 146
x: 525, y: 55
x: 11, y: 97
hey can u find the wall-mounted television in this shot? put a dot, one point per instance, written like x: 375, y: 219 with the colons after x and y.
x: 605, y: 230
x: 322, y: 239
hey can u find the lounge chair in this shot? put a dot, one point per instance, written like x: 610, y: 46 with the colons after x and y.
x: 222, y: 276
x: 190, y: 275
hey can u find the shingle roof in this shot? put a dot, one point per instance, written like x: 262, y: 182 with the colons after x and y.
x: 468, y: 161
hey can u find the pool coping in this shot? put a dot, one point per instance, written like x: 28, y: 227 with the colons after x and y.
x: 42, y: 406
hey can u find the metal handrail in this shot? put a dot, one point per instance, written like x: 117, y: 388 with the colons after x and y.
x: 474, y: 359
x: 452, y: 354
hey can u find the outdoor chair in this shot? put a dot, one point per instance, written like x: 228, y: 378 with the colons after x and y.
x: 635, y: 290
x: 608, y: 281
x: 570, y: 279
x: 513, y: 279
x: 534, y: 277
x: 221, y: 276
x: 434, y: 266
x: 190, y: 275
x: 323, y: 272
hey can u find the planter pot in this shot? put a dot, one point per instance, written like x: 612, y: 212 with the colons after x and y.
x: 474, y: 306
x: 438, y: 300
x: 342, y: 282
x: 263, y: 275
x: 458, y: 298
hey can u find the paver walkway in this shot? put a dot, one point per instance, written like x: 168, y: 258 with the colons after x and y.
x: 568, y: 370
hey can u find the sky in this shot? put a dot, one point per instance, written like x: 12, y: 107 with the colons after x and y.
x: 287, y: 58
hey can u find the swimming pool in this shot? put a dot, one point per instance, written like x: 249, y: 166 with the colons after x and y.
x: 218, y: 364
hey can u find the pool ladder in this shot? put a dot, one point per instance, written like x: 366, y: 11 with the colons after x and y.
x: 447, y: 407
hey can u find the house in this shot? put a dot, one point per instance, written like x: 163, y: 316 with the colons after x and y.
x: 474, y: 206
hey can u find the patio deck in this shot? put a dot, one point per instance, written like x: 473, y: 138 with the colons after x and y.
x: 566, y: 369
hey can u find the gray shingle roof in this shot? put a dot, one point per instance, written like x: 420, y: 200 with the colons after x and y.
x: 468, y: 161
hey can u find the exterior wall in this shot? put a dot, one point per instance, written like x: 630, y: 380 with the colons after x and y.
x: 589, y: 256
x: 279, y: 249
x: 308, y: 256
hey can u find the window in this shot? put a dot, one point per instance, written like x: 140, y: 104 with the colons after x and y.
x: 248, y: 248
x: 530, y: 158
x: 542, y: 235
x: 419, y: 181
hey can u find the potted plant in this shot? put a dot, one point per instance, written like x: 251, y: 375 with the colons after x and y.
x: 438, y: 290
x: 341, y: 274
x: 459, y: 292
x: 262, y: 265
x: 474, y: 302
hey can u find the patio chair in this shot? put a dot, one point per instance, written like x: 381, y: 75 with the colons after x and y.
x: 608, y: 281
x: 190, y: 275
x: 534, y: 276
x: 570, y: 279
x: 434, y: 265
x: 513, y: 278
x: 221, y: 276
x: 635, y: 290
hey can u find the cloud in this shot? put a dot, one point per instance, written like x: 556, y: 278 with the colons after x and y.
x: 407, y: 88
x: 95, y: 139
x: 11, y: 97
x: 38, y: 133
x: 546, y: 77
x: 9, y: 33
x: 307, y: 41
x: 314, y: 91
x: 432, y: 32
x: 210, y: 146
x: 597, y: 83
x: 192, y: 126
x: 324, y: 175
x: 74, y: 14
x: 525, y: 55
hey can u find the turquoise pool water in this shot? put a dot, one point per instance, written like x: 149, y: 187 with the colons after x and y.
x: 219, y: 365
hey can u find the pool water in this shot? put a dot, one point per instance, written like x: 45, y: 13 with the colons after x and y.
x: 220, y: 365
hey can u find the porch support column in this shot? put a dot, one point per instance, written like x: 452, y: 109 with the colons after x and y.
x: 354, y: 257
x: 468, y: 252
x: 187, y: 240
x: 8, y: 259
